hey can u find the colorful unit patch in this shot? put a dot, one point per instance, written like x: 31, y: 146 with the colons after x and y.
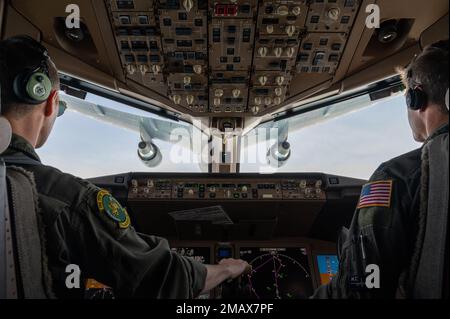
x: 109, y: 205
x: 376, y: 194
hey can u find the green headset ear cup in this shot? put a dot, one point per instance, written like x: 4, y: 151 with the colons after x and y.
x: 38, y: 87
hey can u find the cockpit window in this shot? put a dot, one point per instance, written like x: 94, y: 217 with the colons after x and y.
x: 99, y: 137
x: 353, y: 144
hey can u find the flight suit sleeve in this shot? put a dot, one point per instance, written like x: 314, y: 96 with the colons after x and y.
x: 134, y: 265
x: 377, y: 237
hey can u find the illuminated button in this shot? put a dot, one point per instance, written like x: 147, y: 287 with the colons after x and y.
x: 263, y: 51
x: 191, y: 192
x: 216, y: 101
x: 278, y: 91
x: 245, y: 189
x: 334, y: 14
x: 236, y: 93
x: 255, y: 110
x: 258, y: 100
x: 268, y: 100
x: 318, y: 183
x: 134, y: 183
x: 134, y: 190
x: 303, y: 183
x: 269, y: 28
x: 146, y: 190
x: 278, y: 52
x: 150, y: 183
x: 263, y: 80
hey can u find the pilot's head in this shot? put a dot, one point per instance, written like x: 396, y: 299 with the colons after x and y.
x: 426, y: 81
x: 29, y: 88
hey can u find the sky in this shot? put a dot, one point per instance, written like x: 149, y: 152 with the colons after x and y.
x: 352, y: 145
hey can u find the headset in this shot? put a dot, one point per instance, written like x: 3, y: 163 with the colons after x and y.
x: 33, y: 85
x: 416, y: 98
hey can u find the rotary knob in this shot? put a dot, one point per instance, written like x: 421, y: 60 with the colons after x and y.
x: 334, y: 14
x: 279, y: 80
x: 143, y: 68
x: 290, y: 52
x: 187, y: 80
x: 278, y: 52
x: 263, y: 51
x: 290, y: 30
x: 156, y: 69
x: 176, y: 99
x: 190, y: 99
x: 263, y: 80
x: 218, y: 93
x: 296, y: 11
x: 283, y: 10
x: 131, y: 69
x: 188, y: 5
x: 198, y: 69
x: 278, y: 91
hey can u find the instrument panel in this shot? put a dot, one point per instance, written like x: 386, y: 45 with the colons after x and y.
x: 229, y: 56
x: 242, y: 189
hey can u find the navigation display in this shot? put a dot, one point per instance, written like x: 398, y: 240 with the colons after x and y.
x: 328, y: 267
x: 278, y: 273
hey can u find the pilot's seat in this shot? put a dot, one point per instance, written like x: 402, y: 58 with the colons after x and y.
x: 430, y: 261
x: 20, y: 237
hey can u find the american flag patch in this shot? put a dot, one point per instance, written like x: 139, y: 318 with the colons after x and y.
x: 376, y: 194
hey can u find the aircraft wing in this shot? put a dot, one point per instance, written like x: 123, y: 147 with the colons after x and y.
x: 155, y: 128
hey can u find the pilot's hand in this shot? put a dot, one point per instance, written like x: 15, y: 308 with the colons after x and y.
x: 236, y: 267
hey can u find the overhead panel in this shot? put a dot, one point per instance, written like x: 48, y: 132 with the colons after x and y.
x: 231, y: 57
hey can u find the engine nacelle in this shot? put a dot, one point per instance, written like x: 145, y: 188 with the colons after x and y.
x: 149, y: 154
x: 278, y: 154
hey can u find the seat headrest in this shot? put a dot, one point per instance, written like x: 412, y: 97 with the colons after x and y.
x: 5, y: 134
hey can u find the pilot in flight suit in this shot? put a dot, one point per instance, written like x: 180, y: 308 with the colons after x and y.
x: 384, y: 229
x: 85, y: 226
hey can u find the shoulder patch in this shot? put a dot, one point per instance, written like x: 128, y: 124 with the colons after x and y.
x: 376, y: 194
x: 108, y: 205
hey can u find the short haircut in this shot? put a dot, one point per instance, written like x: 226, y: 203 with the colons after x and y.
x: 17, y: 55
x: 429, y: 70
